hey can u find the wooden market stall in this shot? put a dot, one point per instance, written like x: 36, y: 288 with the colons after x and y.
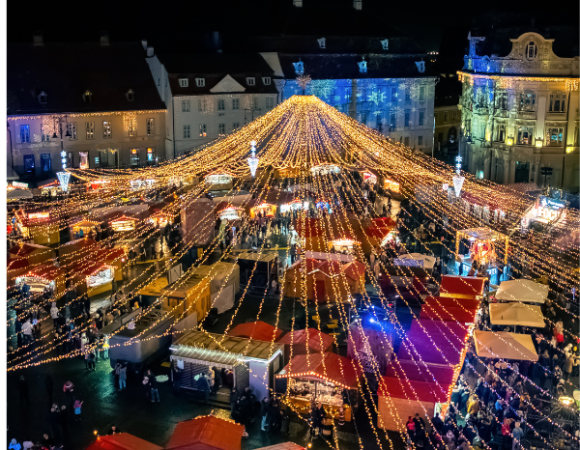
x: 254, y: 363
x: 206, y: 433
x: 307, y: 341
x: 46, y: 276
x: 122, y: 441
x: 258, y: 330
x: 321, y: 377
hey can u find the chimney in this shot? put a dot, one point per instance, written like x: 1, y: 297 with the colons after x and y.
x: 357, y: 4
x: 150, y: 52
x: 104, y: 38
x: 37, y: 39
x: 144, y: 43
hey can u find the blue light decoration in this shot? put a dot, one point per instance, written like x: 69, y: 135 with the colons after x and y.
x: 63, y: 179
x: 253, y: 160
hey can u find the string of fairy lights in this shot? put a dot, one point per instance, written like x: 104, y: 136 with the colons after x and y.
x: 301, y: 134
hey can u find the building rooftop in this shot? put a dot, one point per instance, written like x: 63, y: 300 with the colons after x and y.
x: 65, y: 72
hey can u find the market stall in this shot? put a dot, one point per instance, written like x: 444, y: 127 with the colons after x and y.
x: 308, y: 341
x: 254, y: 363
x: 462, y: 287
x: 46, y: 276
x: 122, y: 441
x: 484, y: 246
x: 505, y: 345
x: 258, y: 330
x: 511, y: 314
x: 526, y: 291
x: 323, y: 377
x: 83, y: 228
x: 206, y: 433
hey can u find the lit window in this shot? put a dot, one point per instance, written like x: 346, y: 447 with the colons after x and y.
x: 250, y: 81
x: 24, y: 133
x: 150, y: 127
x: 235, y: 103
x: 186, y: 131
x: 200, y: 82
x: 184, y: 82
x: 202, y: 130
x: 107, y: 129
x: 267, y: 81
x: 221, y: 105
x: 90, y: 128
x: 185, y: 106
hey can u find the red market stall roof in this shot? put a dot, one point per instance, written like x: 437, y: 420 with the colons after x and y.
x: 461, y: 287
x: 122, y: 441
x: 24, y: 250
x: 299, y: 341
x: 329, y: 367
x: 258, y: 330
x: 206, y: 433
x: 432, y: 310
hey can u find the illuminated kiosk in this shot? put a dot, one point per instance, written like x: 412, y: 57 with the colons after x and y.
x: 123, y: 224
x: 320, y: 377
x: 42, y: 277
x: 219, y: 180
x: 92, y: 277
x: 38, y: 226
x: 253, y: 362
x: 325, y: 169
x: 483, y: 245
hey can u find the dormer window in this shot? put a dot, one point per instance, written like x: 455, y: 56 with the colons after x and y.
x: 87, y: 96
x: 385, y: 44
x: 130, y: 95
x: 42, y: 98
x: 531, y: 51
x: 183, y: 82
x: 299, y: 67
x: 250, y: 81
x: 267, y: 81
x: 362, y: 66
x: 321, y: 42
x: 200, y: 82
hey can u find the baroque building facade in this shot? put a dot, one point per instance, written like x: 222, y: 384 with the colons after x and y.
x: 519, y: 121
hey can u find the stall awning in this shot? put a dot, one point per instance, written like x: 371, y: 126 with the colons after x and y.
x: 462, y: 287
x: 489, y: 344
x: 315, y: 340
x: 206, y: 433
x: 522, y: 291
x: 329, y: 367
x: 259, y: 330
x: 516, y: 314
x: 122, y: 441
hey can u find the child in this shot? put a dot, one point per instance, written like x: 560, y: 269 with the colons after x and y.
x: 77, y: 407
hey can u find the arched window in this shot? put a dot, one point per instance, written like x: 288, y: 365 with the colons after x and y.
x: 531, y: 50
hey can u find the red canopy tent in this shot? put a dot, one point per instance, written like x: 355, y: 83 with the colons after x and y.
x: 462, y: 287
x: 261, y: 331
x: 206, y: 433
x: 302, y: 344
x: 122, y: 441
x: 330, y: 367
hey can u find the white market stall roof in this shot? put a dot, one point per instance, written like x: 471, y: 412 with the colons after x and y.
x: 522, y: 291
x: 428, y: 261
x: 489, y: 344
x: 516, y: 314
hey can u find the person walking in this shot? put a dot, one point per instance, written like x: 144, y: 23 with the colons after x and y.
x: 122, y: 378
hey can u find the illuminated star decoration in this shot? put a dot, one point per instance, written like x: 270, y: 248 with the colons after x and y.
x: 457, y: 178
x: 253, y: 160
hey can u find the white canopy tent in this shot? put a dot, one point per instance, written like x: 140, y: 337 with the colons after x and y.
x: 516, y: 314
x: 526, y: 291
x: 428, y: 261
x: 489, y: 344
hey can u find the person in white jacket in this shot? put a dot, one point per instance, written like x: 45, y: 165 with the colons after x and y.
x: 54, y: 314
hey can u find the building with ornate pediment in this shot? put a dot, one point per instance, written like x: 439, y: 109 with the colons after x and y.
x: 519, y: 120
